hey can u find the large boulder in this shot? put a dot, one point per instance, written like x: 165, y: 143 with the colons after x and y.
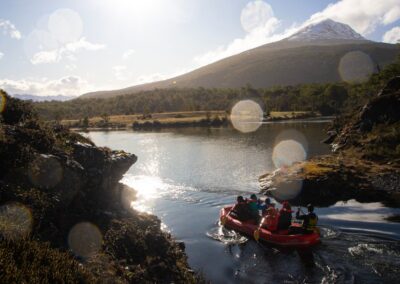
x: 382, y: 109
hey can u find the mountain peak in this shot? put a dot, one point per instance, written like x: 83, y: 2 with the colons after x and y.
x: 326, y: 30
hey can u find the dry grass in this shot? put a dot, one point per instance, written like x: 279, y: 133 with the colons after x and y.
x: 316, y: 169
x: 176, y: 117
x: 288, y: 114
x: 165, y: 117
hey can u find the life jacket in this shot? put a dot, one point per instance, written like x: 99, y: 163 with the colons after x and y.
x: 253, y: 206
x: 271, y: 220
x: 312, y: 222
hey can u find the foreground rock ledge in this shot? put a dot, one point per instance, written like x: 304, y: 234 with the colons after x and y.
x: 331, y: 178
x: 52, y: 180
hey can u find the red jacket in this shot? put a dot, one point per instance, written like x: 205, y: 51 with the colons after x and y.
x: 271, y: 220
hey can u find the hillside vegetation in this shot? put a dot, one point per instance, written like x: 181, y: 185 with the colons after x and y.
x: 327, y: 99
x: 282, y: 63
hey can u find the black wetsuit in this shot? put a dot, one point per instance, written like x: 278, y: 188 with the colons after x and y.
x: 241, y: 211
x: 285, y: 219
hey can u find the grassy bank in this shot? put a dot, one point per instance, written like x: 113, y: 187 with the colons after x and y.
x: 174, y: 119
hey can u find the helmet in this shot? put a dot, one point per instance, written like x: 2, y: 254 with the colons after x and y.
x: 310, y: 207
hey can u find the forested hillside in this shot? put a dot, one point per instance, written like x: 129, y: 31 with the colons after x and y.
x: 328, y: 99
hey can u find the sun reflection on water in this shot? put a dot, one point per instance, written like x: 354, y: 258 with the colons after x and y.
x: 148, y: 189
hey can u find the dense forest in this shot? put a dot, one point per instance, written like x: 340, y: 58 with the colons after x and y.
x: 327, y: 99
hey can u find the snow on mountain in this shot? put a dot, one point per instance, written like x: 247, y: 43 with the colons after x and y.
x: 326, y: 30
x: 41, y: 98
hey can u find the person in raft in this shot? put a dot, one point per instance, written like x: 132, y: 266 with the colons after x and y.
x: 271, y: 219
x: 310, y: 221
x: 241, y: 209
x: 265, y: 206
x: 253, y: 207
x: 285, y: 216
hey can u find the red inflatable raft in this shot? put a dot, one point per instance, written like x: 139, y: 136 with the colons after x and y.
x: 280, y: 238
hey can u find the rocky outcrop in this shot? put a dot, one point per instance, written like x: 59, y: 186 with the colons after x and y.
x: 383, y: 109
x: 365, y: 164
x: 57, y: 187
x: 325, y: 180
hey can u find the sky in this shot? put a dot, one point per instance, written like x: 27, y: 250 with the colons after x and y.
x: 72, y: 47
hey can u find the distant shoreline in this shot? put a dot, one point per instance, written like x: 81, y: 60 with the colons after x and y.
x: 156, y: 125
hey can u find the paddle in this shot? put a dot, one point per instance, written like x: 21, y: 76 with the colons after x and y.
x: 256, y: 233
x: 224, y: 218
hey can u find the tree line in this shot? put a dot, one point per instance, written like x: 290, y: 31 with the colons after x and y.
x: 327, y: 99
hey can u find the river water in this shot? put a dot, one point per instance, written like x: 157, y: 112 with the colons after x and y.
x: 185, y: 176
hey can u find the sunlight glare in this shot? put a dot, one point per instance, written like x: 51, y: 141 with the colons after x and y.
x: 135, y: 9
x: 147, y: 188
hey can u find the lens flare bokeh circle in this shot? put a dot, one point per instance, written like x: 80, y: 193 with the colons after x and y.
x: 65, y: 25
x: 287, y: 190
x: 288, y: 152
x: 85, y: 239
x: 246, y: 116
x: 291, y: 146
x: 292, y: 134
x: 356, y: 66
x: 45, y: 171
x: 15, y: 221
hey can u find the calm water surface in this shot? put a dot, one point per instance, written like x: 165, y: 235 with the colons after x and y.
x: 185, y: 176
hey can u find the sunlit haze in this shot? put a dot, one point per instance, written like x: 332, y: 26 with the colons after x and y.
x: 72, y: 47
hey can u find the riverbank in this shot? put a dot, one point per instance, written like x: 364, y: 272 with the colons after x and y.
x: 365, y: 165
x: 175, y: 120
x: 64, y: 216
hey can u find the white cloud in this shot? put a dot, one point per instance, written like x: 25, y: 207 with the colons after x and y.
x: 392, y: 16
x: 61, y: 39
x: 127, y: 54
x: 120, y: 72
x: 70, y: 67
x: 68, y: 86
x: 81, y: 44
x: 255, y: 15
x: 257, y: 19
x: 143, y: 79
x: 1, y: 55
x: 9, y: 29
x: 392, y: 36
x: 67, y: 51
x: 362, y: 15
x: 45, y: 57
